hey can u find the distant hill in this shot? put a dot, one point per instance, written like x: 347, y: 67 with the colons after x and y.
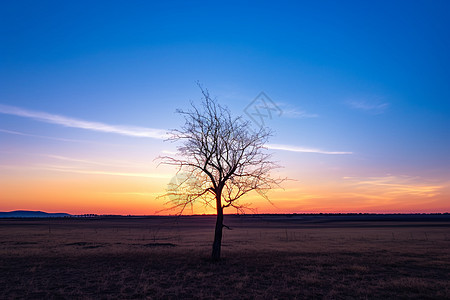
x: 31, y: 214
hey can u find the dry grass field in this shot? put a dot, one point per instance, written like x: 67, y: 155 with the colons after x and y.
x: 264, y: 257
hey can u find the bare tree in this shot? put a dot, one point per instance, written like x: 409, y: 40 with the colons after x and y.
x: 222, y: 159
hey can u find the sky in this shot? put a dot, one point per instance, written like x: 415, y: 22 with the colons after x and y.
x: 358, y: 93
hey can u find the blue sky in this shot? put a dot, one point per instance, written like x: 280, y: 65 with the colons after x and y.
x: 366, y: 78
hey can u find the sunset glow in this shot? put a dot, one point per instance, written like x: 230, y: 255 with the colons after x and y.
x: 87, y: 99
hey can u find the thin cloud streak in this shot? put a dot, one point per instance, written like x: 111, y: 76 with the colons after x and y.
x: 83, y: 161
x: 40, y: 136
x: 290, y: 111
x: 83, y: 124
x: 69, y: 169
x: 303, y: 149
x: 122, y: 130
x: 96, y: 172
x: 112, y: 163
x: 52, y: 138
x: 298, y: 114
x: 169, y: 152
x: 14, y: 132
x: 376, y: 108
x: 393, y: 186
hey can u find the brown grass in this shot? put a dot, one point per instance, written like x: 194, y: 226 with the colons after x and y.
x: 263, y: 258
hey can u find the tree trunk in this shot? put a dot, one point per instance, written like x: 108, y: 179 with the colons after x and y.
x: 218, y: 232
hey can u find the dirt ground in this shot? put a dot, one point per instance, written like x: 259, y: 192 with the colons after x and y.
x: 264, y: 257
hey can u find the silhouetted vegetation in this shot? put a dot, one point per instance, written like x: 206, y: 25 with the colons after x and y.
x: 223, y: 160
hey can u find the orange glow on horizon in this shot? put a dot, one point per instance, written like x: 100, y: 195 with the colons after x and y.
x: 102, y: 194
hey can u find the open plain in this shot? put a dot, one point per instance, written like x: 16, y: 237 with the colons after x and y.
x: 264, y: 257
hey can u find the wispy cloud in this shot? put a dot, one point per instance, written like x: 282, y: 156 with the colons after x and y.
x: 393, y: 186
x: 48, y: 137
x: 374, y: 107
x: 80, y: 170
x: 68, y: 169
x: 14, y: 132
x: 303, y: 149
x: 76, y: 160
x: 169, y: 152
x: 125, y: 130
x: 83, y: 124
x: 108, y: 163
x: 290, y: 111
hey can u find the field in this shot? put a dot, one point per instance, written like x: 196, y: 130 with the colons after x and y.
x: 264, y: 257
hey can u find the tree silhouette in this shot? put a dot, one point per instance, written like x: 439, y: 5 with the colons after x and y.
x: 221, y: 159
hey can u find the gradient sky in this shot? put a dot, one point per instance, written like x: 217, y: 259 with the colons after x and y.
x: 88, y: 90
